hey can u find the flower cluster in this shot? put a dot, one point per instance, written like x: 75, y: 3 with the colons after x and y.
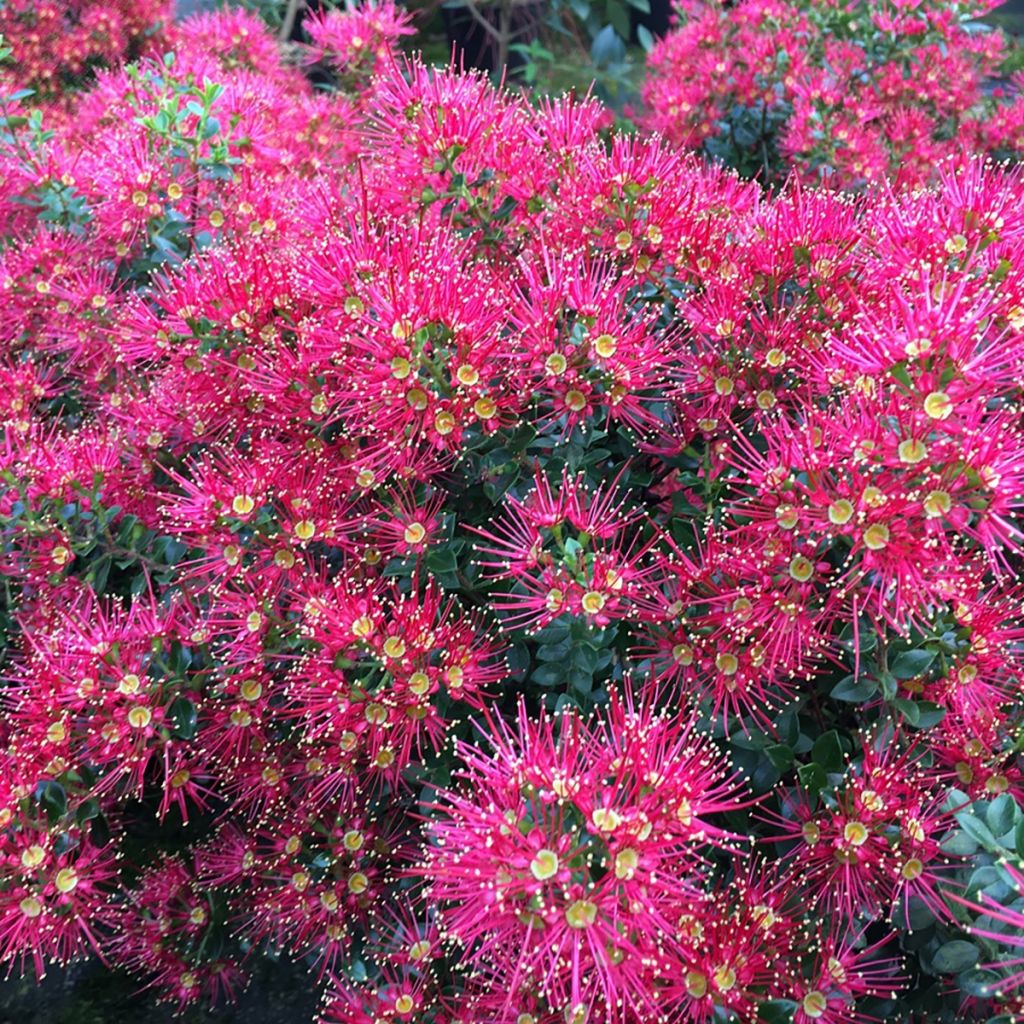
x: 56, y: 45
x: 517, y: 570
x: 844, y: 94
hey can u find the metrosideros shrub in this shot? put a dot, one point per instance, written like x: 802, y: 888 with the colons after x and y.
x: 519, y: 572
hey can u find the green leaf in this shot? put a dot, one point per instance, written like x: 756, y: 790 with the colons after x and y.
x: 51, y: 797
x: 549, y: 675
x: 777, y: 1011
x: 182, y: 713
x: 581, y: 681
x: 828, y: 751
x: 1001, y: 814
x: 853, y: 690
x: 890, y: 687
x: 981, y: 984
x: 959, y: 844
x: 812, y: 777
x: 911, y: 664
x: 780, y: 755
x: 908, y: 709
x: 555, y: 652
x: 977, y: 830
x: 87, y: 810
x: 955, y: 956
x: 929, y: 714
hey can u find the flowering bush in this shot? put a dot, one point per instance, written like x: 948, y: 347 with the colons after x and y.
x: 835, y: 92
x: 518, y: 571
x: 56, y: 44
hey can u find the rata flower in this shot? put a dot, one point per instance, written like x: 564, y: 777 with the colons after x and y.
x: 875, y: 842
x: 551, y: 862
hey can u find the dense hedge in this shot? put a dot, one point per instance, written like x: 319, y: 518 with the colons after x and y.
x: 524, y: 573
x: 837, y: 93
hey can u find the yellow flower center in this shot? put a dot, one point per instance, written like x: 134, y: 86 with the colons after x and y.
x: 937, y: 504
x: 30, y: 906
x: 787, y: 516
x: 684, y: 812
x: 725, y: 978
x: 696, y: 984
x: 575, y: 400
x: 33, y: 857
x: 855, y: 833
x: 996, y: 784
x: 683, y: 654
x: 581, y: 914
x: 544, y: 865
x: 485, y: 408
x: 251, y: 690
x: 375, y: 713
x: 626, y: 863
x: 139, y: 717
x: 871, y: 800
x: 555, y: 364
x: 912, y: 451
x: 394, y: 647
x: 801, y: 569
x: 938, y: 405
x: 419, y: 683
x: 876, y: 536
x: 727, y: 664
x: 840, y: 512
x: 912, y: 869
x: 414, y: 533
x: 243, y: 504
x: 606, y: 819
x: 815, y: 1004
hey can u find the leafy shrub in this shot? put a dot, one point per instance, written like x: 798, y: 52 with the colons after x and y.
x: 839, y: 93
x: 521, y: 572
x: 56, y: 45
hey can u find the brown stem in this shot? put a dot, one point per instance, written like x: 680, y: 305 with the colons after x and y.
x: 481, y: 20
x: 290, y: 14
